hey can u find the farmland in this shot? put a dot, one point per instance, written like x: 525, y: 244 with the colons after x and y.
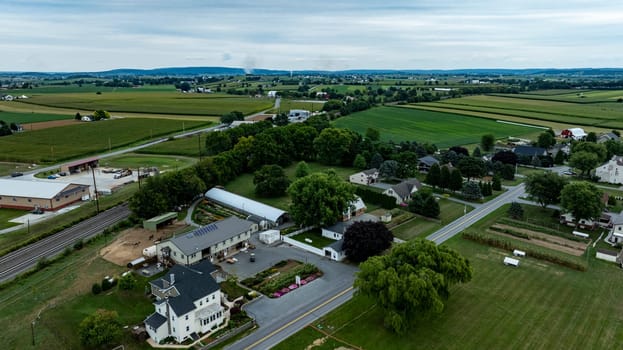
x: 442, y: 129
x: 539, y: 305
x: 544, y: 111
x: 158, y: 102
x: 186, y: 146
x: 63, y: 143
x: 22, y: 118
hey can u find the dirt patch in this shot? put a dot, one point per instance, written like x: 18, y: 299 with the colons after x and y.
x: 317, y: 342
x: 49, y: 124
x: 553, y: 246
x: 567, y: 243
x: 130, y: 243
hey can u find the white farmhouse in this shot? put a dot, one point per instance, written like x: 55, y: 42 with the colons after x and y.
x: 612, y: 171
x: 188, y: 304
x: 365, y: 177
x: 403, y: 191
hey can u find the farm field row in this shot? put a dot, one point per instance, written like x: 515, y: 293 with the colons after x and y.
x: 442, y: 129
x: 80, y: 139
x: 584, y: 114
x: 575, y: 96
x: 153, y: 102
x: 535, y: 306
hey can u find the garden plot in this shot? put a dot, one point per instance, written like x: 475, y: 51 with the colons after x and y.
x: 541, y: 239
x: 208, y: 212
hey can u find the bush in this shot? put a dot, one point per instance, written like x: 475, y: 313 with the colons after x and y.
x: 127, y: 282
x: 368, y: 195
x: 96, y: 288
x: 107, y: 284
x: 79, y: 245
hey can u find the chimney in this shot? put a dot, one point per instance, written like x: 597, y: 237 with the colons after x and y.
x: 172, y: 279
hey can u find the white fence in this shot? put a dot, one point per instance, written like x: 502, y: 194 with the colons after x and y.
x: 303, y: 246
x: 304, y: 229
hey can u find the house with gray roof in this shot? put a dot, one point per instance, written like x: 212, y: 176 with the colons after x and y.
x: 217, y: 240
x: 426, y: 162
x: 607, y: 137
x: 365, y: 177
x: 337, y: 230
x: 188, y: 304
x: 612, y: 171
x: 403, y: 191
x: 334, y: 250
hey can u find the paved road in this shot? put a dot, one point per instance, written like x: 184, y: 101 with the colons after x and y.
x: 478, y: 213
x: 25, y: 258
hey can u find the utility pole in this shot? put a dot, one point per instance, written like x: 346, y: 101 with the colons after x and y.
x: 199, y: 144
x: 97, y: 202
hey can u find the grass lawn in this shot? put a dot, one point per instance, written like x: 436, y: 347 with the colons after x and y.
x: 131, y: 160
x: 187, y: 146
x: 536, y: 306
x: 86, y: 138
x: 233, y: 290
x: 441, y: 129
x: 9, y: 214
x: 61, y: 294
x: 304, y: 338
x: 243, y: 184
x: 6, y: 168
x: 422, y: 227
x: 316, y: 237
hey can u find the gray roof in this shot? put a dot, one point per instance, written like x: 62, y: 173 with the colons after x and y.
x: 244, y: 204
x: 32, y: 189
x: 155, y: 320
x: 341, y: 227
x: 429, y: 160
x: 192, y: 283
x: 211, y: 234
x: 405, y: 188
x: 370, y: 171
x: 337, y: 245
x: 529, y: 151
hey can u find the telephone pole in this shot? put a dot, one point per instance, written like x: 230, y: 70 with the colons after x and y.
x: 97, y: 202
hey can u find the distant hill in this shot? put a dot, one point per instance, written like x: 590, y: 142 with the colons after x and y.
x: 194, y: 71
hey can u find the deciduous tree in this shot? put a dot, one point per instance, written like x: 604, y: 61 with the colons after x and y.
x: 545, y: 187
x: 582, y: 199
x: 585, y: 161
x: 270, y: 181
x: 412, y: 281
x: 319, y: 198
x: 100, y: 329
x: 433, y: 175
x: 487, y: 141
x: 365, y: 239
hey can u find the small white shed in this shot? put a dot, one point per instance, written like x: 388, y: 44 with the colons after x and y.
x: 511, y: 262
x: 270, y: 236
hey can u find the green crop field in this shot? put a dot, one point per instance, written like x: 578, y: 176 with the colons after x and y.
x: 67, y: 142
x: 536, y: 306
x: 187, y: 146
x: 154, y: 101
x: 442, y: 129
x: 287, y: 105
x: 606, y: 115
x: 22, y: 118
x: 134, y: 161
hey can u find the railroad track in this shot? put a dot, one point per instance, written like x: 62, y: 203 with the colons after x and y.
x: 16, y: 262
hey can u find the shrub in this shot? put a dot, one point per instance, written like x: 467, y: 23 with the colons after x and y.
x: 127, y: 282
x: 107, y: 284
x: 79, y: 245
x: 96, y: 288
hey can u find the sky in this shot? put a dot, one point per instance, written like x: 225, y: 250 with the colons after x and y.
x: 87, y: 36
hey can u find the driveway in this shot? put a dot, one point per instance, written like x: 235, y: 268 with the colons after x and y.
x: 273, y: 313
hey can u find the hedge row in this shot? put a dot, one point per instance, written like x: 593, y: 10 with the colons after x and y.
x: 510, y: 232
x: 530, y: 250
x: 369, y: 195
x: 542, y: 229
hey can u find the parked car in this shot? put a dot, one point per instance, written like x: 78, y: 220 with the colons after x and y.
x: 16, y: 174
x: 52, y: 177
x: 252, y: 257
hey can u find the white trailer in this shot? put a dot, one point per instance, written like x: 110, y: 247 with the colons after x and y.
x: 150, y: 251
x: 508, y: 261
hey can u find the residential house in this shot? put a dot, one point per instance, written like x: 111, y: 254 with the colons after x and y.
x: 188, y: 304
x: 298, y: 115
x: 403, y: 191
x: 616, y: 233
x: 8, y: 98
x: 217, y: 240
x: 365, y: 177
x: 529, y: 151
x: 605, y: 220
x: 607, y: 137
x: 337, y: 230
x: 425, y: 163
x: 334, y: 250
x: 355, y: 208
x: 272, y: 94
x: 612, y: 171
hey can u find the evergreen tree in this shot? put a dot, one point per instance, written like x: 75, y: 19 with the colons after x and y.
x: 433, y: 175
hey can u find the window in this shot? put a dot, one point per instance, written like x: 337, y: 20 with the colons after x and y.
x: 200, y: 302
x: 186, y: 318
x: 187, y: 328
x: 213, y: 296
x: 182, y: 256
x: 29, y: 200
x: 173, y: 329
